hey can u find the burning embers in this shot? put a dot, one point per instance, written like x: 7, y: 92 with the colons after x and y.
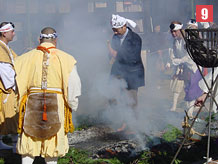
x: 123, y: 150
x: 103, y: 142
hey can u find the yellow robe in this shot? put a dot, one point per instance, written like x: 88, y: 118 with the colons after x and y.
x: 8, y: 114
x: 29, y: 74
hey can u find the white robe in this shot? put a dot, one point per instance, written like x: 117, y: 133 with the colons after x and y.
x: 208, y: 79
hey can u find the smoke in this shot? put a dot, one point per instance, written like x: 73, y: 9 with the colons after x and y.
x: 84, y: 34
x: 85, y: 38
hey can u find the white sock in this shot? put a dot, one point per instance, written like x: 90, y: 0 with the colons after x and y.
x: 175, y: 99
x: 27, y: 160
x: 51, y: 160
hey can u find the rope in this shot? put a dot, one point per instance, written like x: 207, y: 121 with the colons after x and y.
x: 45, y: 64
x: 192, y: 131
x: 44, y: 115
x: 44, y: 49
x: 22, y: 109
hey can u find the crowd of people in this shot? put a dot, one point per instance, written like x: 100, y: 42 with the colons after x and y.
x: 185, y: 76
x: 39, y: 90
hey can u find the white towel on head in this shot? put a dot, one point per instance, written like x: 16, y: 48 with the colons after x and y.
x: 131, y: 23
x: 192, y: 22
x: 118, y: 21
x: 6, y: 28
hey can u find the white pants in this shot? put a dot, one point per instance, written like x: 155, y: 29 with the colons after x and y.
x: 29, y: 160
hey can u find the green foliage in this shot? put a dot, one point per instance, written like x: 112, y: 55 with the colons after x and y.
x: 75, y: 156
x: 81, y: 127
x: 213, y: 117
x: 106, y: 161
x: 144, y: 158
x: 163, y: 157
x: 148, y: 157
x: 63, y: 161
x: 171, y: 133
x: 2, y: 161
x: 177, y: 161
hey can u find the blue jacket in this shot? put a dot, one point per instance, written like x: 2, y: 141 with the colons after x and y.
x: 128, y: 64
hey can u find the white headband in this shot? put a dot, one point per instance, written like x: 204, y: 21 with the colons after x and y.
x: 6, y: 28
x: 118, y: 21
x: 176, y: 26
x: 54, y: 35
x: 192, y: 22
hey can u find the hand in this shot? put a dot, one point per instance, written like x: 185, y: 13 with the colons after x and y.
x: 200, y: 100
x: 167, y: 65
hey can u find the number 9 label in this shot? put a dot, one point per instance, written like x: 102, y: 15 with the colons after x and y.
x: 204, y: 13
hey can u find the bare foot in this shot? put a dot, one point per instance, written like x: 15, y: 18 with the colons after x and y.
x: 122, y: 128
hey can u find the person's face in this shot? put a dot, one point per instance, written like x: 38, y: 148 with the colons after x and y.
x: 119, y: 31
x: 193, y: 27
x: 157, y: 29
x: 176, y: 34
x: 9, y: 35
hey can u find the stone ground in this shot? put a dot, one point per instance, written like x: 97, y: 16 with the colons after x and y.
x: 158, y: 98
x: 104, y: 142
